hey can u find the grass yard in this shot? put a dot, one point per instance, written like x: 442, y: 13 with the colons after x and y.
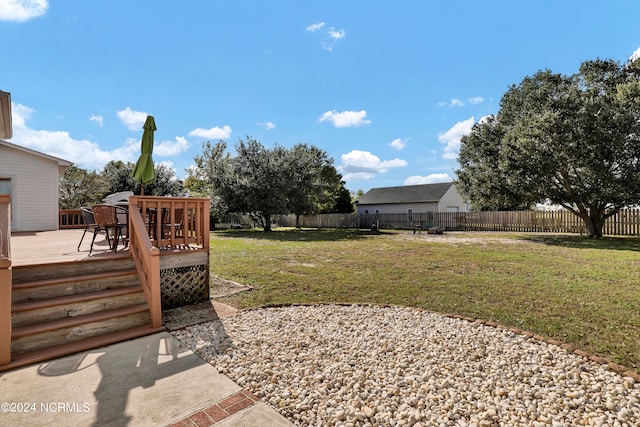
x: 567, y: 287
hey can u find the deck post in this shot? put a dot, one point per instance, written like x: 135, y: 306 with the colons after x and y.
x: 5, y: 279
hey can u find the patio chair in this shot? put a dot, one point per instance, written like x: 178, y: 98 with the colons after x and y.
x: 106, y: 217
x: 87, y: 216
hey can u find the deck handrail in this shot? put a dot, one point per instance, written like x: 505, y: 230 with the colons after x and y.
x: 70, y: 218
x: 5, y: 279
x: 169, y: 229
x: 147, y: 260
x: 166, y: 230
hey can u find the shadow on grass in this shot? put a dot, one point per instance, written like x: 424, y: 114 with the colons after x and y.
x: 583, y: 242
x: 301, y: 235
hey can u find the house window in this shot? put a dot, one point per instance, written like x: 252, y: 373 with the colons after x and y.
x: 410, y: 215
x: 5, y: 185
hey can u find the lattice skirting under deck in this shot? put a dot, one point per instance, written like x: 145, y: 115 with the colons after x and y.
x: 184, y: 285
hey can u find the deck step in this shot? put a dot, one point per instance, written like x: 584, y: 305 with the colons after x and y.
x: 79, y: 278
x: 26, y: 339
x: 60, y: 309
x: 72, y: 299
x: 36, y: 356
x: 24, y: 273
x: 44, y: 311
x: 68, y: 322
x: 71, y: 285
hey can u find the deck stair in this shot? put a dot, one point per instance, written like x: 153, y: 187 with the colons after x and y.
x: 59, y: 309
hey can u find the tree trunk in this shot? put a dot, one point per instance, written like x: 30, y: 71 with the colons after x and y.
x: 267, y: 222
x: 297, y: 220
x: 594, y: 222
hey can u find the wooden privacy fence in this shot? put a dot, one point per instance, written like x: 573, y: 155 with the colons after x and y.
x: 625, y: 222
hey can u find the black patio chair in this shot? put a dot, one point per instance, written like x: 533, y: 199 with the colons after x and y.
x: 90, y: 222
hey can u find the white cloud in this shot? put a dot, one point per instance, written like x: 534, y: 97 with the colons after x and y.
x: 358, y: 176
x: 22, y: 10
x: 329, y: 36
x: 133, y: 120
x: 171, y: 148
x: 429, y: 179
x: 399, y: 144
x: 98, y: 119
x: 332, y: 37
x: 635, y: 55
x: 336, y: 34
x: 315, y: 27
x: 345, y: 118
x: 358, y: 164
x: 267, y: 125
x: 452, y: 137
x: 85, y: 153
x: 213, y: 133
x: 457, y: 102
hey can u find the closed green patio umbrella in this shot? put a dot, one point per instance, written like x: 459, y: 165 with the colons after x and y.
x: 143, y: 170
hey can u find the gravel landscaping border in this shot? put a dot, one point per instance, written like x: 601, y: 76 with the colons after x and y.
x: 372, y: 365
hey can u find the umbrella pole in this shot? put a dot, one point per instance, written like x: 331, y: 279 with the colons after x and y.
x: 142, y: 188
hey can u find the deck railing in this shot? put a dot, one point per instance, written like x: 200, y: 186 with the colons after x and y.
x: 5, y: 279
x: 147, y: 260
x: 156, y: 222
x: 174, y: 221
x: 70, y: 218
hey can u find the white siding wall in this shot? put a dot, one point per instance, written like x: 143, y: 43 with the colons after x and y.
x: 399, y: 208
x: 452, y: 199
x: 35, y: 189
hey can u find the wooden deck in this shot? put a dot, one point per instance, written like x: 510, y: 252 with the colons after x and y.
x: 45, y: 247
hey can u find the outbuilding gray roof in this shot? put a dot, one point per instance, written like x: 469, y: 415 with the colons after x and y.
x: 405, y: 194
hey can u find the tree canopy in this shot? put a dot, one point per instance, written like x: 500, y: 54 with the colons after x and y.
x: 573, y: 140
x: 265, y: 182
x: 79, y: 187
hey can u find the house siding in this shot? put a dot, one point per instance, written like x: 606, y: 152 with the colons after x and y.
x: 424, y: 198
x: 34, y: 195
x: 452, y: 199
x: 398, y: 208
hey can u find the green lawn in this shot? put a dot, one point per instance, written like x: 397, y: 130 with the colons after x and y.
x: 579, y: 291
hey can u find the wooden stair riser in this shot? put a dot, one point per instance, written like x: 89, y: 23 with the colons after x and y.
x: 59, y: 309
x: 49, y: 271
x: 49, y: 353
x: 30, y: 317
x: 76, y: 333
x: 72, y: 288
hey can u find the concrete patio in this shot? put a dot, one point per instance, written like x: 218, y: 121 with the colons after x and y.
x: 150, y: 381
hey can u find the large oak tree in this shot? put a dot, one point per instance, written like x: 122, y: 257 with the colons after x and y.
x: 573, y: 140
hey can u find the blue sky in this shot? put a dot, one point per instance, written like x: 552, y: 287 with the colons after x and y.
x: 385, y: 88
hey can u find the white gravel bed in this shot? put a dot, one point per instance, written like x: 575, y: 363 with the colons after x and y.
x: 332, y: 365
